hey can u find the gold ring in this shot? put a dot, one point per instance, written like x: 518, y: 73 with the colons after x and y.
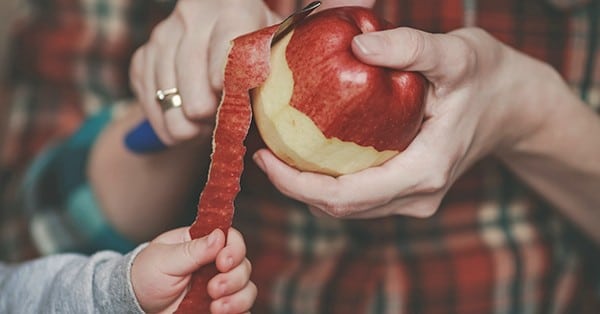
x: 168, y: 98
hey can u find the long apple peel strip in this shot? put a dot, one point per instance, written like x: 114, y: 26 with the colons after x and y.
x: 246, y: 68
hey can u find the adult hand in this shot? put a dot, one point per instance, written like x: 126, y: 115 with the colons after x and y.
x: 482, y: 96
x: 161, y: 272
x: 188, y: 51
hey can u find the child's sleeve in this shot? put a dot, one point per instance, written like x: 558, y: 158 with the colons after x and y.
x: 70, y: 283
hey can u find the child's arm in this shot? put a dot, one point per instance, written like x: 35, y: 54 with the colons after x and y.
x: 69, y: 283
x: 155, y: 274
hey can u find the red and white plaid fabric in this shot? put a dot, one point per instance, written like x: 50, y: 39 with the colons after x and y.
x: 493, y: 246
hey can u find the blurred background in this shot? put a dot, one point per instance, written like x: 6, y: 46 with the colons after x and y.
x: 9, y: 10
x: 10, y: 229
x: 61, y: 63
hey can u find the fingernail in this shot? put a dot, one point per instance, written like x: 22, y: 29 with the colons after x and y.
x: 222, y: 288
x: 259, y: 161
x: 229, y: 262
x: 368, y: 44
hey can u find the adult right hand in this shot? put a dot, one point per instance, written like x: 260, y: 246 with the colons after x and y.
x: 187, y: 51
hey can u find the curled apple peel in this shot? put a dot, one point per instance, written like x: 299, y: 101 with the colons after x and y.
x: 323, y: 110
x: 247, y: 66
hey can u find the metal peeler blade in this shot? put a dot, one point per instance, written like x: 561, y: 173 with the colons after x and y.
x: 290, y: 22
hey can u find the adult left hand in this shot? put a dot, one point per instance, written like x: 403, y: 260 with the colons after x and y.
x: 475, y: 105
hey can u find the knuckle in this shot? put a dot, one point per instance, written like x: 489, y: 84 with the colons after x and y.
x: 467, y: 65
x: 473, y: 33
x: 464, y: 65
x: 216, y: 77
x: 469, y: 39
x: 185, y: 9
x: 424, y: 211
x: 425, y: 208
x: 180, y: 132
x: 342, y: 203
x: 159, y: 32
x: 337, y: 208
x: 188, y: 252
x: 416, y: 41
x: 435, y: 182
x: 336, y: 211
x: 251, y: 295
x: 136, y: 62
x: 136, y: 68
x: 199, y: 112
x: 333, y: 204
x: 248, y: 266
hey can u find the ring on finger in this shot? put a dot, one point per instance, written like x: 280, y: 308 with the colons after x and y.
x: 168, y: 98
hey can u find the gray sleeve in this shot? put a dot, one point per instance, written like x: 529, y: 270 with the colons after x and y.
x: 70, y: 283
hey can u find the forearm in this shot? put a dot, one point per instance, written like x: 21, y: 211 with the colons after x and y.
x: 560, y: 158
x: 143, y: 195
x: 69, y: 283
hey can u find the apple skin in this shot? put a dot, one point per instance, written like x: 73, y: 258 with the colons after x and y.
x: 323, y: 110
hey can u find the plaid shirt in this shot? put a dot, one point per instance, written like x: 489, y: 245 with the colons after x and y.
x: 493, y: 246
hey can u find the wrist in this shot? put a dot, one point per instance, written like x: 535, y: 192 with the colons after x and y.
x: 536, y: 91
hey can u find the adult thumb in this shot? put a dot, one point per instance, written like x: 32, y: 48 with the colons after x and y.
x: 409, y: 49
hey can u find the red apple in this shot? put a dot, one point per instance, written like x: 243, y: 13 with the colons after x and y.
x: 323, y: 110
